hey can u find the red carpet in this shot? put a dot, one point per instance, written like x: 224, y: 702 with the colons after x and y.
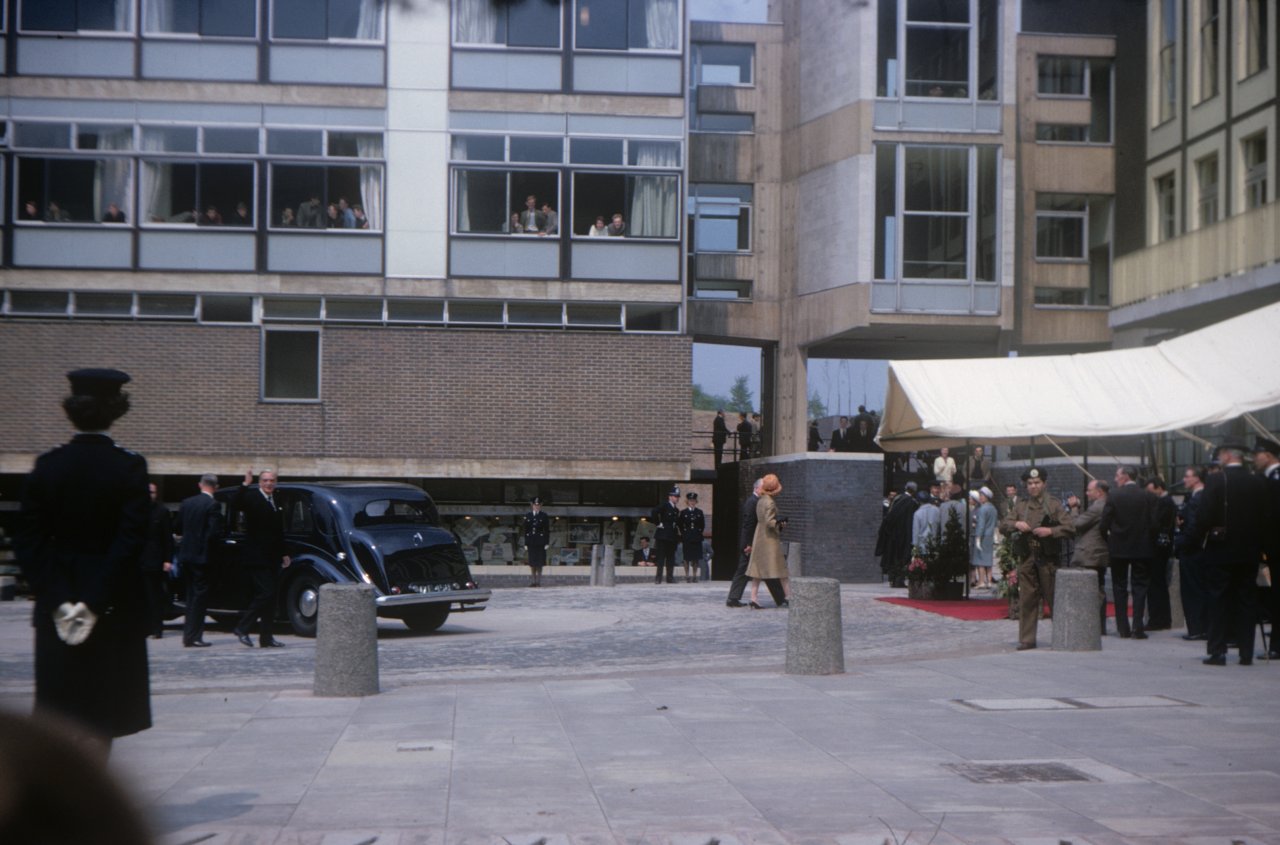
x: 970, y: 610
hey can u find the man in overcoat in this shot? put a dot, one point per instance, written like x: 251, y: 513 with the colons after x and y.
x: 1128, y: 523
x: 264, y: 556
x: 1091, y: 547
x: 82, y: 526
x: 666, y: 519
x: 893, y: 544
x: 157, y: 561
x: 200, y: 520
x: 747, y: 521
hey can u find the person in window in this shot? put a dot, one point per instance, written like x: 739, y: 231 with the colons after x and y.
x: 241, y: 216
x: 551, y: 220
x: 617, y: 227
x: 113, y: 214
x: 513, y: 226
x: 287, y: 219
x: 600, y: 229
x: 30, y: 211
x: 531, y: 220
x: 345, y: 213
x: 357, y: 213
x: 54, y: 213
x: 311, y: 214
x: 211, y: 217
x: 332, y: 216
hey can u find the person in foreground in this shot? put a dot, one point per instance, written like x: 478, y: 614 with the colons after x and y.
x: 766, y: 546
x: 1038, y: 524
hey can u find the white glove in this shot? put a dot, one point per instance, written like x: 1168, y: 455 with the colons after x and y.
x: 74, y: 622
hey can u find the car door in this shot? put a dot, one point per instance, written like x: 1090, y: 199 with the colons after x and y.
x: 230, y: 587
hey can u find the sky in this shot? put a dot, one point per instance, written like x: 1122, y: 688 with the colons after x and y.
x: 842, y: 384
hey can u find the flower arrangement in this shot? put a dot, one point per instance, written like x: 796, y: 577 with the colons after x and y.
x: 918, y: 568
x: 1008, y: 585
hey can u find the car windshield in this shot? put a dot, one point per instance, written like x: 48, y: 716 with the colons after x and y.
x: 394, y: 512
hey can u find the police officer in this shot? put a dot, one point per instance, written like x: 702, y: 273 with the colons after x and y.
x: 537, y: 533
x: 1037, y: 524
x: 667, y: 536
x: 79, y: 542
x: 692, y: 523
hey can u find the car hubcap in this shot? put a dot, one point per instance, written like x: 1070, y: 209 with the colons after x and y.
x: 308, y: 599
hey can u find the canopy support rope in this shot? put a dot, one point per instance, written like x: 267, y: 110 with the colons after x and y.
x: 1074, y: 462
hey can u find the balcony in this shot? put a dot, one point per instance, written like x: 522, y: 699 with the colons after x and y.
x: 1231, y: 251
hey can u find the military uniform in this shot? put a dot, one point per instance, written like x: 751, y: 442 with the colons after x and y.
x: 1037, y: 557
x: 537, y: 534
x: 667, y: 536
x: 692, y: 523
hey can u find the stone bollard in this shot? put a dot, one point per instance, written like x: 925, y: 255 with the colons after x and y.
x: 795, y: 566
x: 815, y: 634
x: 608, y: 573
x: 1076, y: 622
x: 593, y: 570
x: 1177, y: 617
x: 346, y: 642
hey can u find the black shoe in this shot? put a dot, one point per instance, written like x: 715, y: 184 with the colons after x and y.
x: 244, y: 640
x: 734, y: 603
x: 1124, y: 635
x: 271, y: 644
x: 755, y: 606
x: 1139, y: 635
x: 671, y: 580
x: 1026, y: 646
x: 1157, y: 627
x: 1215, y: 660
x: 1246, y: 661
x: 196, y: 644
x: 1195, y: 637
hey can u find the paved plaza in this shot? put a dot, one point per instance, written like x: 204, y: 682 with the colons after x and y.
x: 654, y: 714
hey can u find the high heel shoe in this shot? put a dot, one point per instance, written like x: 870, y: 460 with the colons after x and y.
x: 755, y: 606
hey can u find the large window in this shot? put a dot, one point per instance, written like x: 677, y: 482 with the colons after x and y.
x: 1208, y: 76
x: 1077, y: 228
x: 938, y: 48
x: 627, y: 24
x: 73, y: 190
x: 206, y: 18
x: 518, y: 23
x: 1167, y: 62
x: 198, y: 193
x: 504, y: 202
x: 1255, y: 170
x: 1255, y: 36
x: 720, y: 218
x: 1166, y: 207
x: 290, y: 365
x: 341, y: 188
x: 645, y: 205
x: 1077, y: 78
x: 723, y: 64
x: 328, y: 20
x: 76, y: 16
x: 1207, y: 191
x: 937, y: 207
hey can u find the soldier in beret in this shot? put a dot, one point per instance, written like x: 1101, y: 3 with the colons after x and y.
x: 1037, y: 524
x: 82, y: 529
x: 537, y: 533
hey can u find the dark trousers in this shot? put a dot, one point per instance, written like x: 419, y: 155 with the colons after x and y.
x: 1232, y: 606
x: 740, y: 580
x: 718, y: 449
x: 1159, y: 611
x: 1272, y: 607
x: 666, y: 554
x: 197, y: 602
x: 1124, y: 570
x: 262, y: 607
x: 1102, y: 592
x: 157, y: 586
x: 1194, y: 594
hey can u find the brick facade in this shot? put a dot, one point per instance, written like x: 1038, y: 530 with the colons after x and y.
x: 432, y: 397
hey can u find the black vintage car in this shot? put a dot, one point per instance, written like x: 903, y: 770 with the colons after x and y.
x: 380, y: 533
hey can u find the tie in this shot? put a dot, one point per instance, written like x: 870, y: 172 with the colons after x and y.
x: 271, y: 502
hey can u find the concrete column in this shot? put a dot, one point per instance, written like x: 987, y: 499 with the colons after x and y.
x: 815, y: 632
x: 795, y: 563
x: 608, y: 575
x: 346, y: 641
x: 1076, y: 622
x: 1175, y: 594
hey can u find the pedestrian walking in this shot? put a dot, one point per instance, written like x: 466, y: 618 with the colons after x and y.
x: 767, y: 560
x: 264, y: 556
x: 747, y: 521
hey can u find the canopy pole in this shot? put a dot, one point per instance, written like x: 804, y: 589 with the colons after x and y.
x: 1084, y: 468
x: 1258, y: 427
x: 1084, y: 494
x: 1208, y: 444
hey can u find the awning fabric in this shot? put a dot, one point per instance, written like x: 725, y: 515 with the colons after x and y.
x: 1207, y: 376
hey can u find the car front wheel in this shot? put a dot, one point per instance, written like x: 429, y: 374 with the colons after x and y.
x: 302, y: 603
x: 426, y: 619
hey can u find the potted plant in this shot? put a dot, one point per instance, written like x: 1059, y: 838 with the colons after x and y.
x: 950, y: 560
x: 919, y: 585
x: 1008, y: 586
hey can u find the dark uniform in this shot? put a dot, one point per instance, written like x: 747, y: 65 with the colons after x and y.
x: 1187, y: 543
x: 201, y: 524
x: 537, y: 534
x: 719, y: 436
x: 156, y: 552
x: 83, y: 525
x: 692, y: 523
x: 667, y: 536
x: 1038, y: 558
x: 264, y: 551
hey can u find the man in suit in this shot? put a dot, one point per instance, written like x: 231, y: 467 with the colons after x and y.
x: 81, y: 529
x: 744, y: 436
x: 1233, y: 511
x: 1128, y: 523
x: 644, y: 556
x: 537, y: 534
x: 747, y: 522
x: 263, y: 556
x: 692, y: 523
x: 719, y: 436
x: 666, y: 517
x: 200, y: 519
x: 893, y: 544
x: 1090, y: 546
x: 1037, y: 524
x: 1165, y: 518
x: 977, y: 470
x: 1188, y: 541
x: 157, y: 561
x: 842, y: 437
x: 1266, y: 460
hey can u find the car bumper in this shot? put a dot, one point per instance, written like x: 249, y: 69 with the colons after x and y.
x: 464, y: 597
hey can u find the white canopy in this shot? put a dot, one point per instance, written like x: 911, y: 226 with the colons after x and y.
x: 1208, y: 376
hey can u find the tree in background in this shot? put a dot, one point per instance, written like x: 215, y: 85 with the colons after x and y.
x: 740, y: 396
x: 704, y: 401
x: 817, y: 408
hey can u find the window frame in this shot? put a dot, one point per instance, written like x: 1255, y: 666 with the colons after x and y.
x: 678, y: 50
x: 897, y: 87
x: 480, y: 45
x: 1165, y: 190
x: 1208, y: 200
x: 1166, y: 63
x: 127, y: 203
x: 266, y: 330
x: 1255, y: 176
x: 325, y: 160
x: 1082, y: 216
x: 627, y: 173
x: 1208, y: 52
x: 144, y: 221
x: 692, y: 199
x: 1255, y: 32
x: 163, y: 35
x: 128, y: 32
x: 505, y: 168
x: 1059, y: 95
x: 696, y: 64
x: 271, y: 37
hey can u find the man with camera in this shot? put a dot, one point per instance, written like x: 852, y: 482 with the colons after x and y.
x: 1037, y: 524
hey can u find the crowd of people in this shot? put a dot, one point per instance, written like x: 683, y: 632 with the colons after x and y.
x: 748, y: 434
x: 541, y: 218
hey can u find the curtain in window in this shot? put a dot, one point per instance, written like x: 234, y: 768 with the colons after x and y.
x: 156, y: 183
x: 370, y: 146
x: 478, y: 22
x: 160, y: 15
x: 122, y: 15
x: 111, y: 179
x: 370, y: 29
x: 654, y: 199
x: 662, y: 24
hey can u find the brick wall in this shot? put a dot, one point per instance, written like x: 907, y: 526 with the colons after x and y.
x: 449, y: 395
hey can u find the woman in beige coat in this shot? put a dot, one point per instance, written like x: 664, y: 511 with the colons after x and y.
x: 766, y: 546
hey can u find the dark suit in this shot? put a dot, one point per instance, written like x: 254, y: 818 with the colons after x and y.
x: 262, y: 556
x: 537, y: 533
x: 744, y: 440
x: 719, y: 435
x: 747, y: 522
x: 82, y: 528
x: 1272, y: 548
x: 1187, y: 543
x: 842, y: 440
x: 156, y: 552
x: 1233, y: 512
x: 1128, y: 523
x: 667, y: 536
x: 1159, y: 613
x: 201, y: 521
x: 643, y: 557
